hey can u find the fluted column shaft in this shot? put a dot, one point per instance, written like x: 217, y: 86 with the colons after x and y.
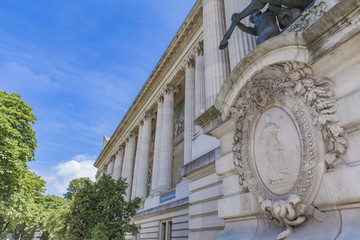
x: 157, y: 145
x: 118, y: 163
x: 167, y: 140
x: 129, y: 163
x: 137, y: 161
x: 240, y: 43
x: 189, y: 109
x: 110, y: 168
x: 216, y: 61
x: 143, y: 167
x: 199, y: 82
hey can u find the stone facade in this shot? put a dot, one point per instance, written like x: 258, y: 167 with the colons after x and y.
x: 267, y: 146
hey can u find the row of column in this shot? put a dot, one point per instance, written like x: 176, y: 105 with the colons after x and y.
x: 132, y: 162
x: 206, y: 69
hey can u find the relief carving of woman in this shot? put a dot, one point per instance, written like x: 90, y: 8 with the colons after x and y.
x: 269, y: 135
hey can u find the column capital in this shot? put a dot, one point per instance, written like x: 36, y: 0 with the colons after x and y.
x: 170, y: 89
x: 147, y: 115
x: 159, y: 97
x: 120, y: 149
x: 129, y: 135
x: 188, y: 62
x: 198, y: 50
x: 140, y: 121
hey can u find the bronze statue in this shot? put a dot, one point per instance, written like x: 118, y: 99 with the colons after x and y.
x: 265, y: 26
x: 285, y: 15
x: 256, y: 5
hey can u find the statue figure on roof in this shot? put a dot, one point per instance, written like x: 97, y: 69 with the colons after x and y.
x: 105, y: 140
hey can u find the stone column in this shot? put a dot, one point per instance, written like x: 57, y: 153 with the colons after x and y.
x: 105, y: 168
x: 143, y: 167
x: 240, y: 43
x: 137, y: 161
x: 97, y: 176
x: 157, y: 145
x: 199, y: 82
x: 128, y: 167
x: 118, y: 163
x: 110, y: 168
x: 189, y: 108
x: 167, y: 140
x: 216, y: 61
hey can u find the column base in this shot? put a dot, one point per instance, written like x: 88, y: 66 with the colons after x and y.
x: 163, y: 189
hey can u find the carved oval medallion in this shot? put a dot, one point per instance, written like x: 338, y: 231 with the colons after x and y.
x: 276, y: 149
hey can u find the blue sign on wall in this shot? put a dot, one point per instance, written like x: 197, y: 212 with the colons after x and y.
x: 168, y: 196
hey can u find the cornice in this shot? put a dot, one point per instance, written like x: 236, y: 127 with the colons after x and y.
x: 190, y: 26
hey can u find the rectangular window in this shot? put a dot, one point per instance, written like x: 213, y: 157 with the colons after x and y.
x: 165, y: 230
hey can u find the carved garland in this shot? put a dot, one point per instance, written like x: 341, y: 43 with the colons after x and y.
x: 309, y: 102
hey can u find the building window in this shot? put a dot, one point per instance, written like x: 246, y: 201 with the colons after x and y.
x: 165, y: 230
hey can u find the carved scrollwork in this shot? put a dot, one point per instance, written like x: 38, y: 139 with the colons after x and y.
x: 282, y: 114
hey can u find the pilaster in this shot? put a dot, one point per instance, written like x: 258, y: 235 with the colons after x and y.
x: 199, y: 81
x: 189, y: 107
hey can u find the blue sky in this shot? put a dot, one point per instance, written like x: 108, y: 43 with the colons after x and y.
x: 80, y: 64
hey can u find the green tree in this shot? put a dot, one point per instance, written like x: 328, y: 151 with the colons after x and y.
x: 20, y: 189
x: 74, y: 185
x: 100, y: 210
x: 52, y: 220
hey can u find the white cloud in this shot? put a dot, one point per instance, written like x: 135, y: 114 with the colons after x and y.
x: 80, y: 166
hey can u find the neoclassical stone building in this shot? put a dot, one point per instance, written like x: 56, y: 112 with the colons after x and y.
x: 250, y: 142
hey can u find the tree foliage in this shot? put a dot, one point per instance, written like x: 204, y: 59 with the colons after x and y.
x: 20, y: 189
x: 52, y: 218
x: 100, y: 210
x: 74, y: 185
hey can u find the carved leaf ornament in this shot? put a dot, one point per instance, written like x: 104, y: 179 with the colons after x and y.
x: 281, y: 113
